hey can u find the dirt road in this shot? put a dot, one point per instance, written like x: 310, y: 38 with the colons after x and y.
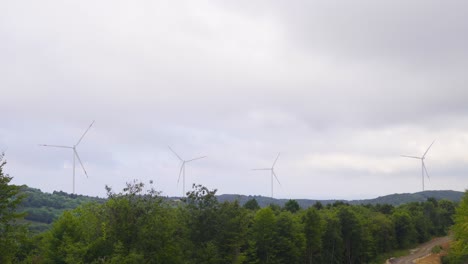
x: 421, y: 251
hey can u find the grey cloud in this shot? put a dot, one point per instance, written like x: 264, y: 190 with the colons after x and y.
x: 238, y: 82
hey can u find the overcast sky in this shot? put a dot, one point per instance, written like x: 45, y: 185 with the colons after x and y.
x: 340, y: 88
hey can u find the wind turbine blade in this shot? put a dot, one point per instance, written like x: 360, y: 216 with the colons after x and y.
x: 84, y: 133
x: 263, y: 169
x: 55, y: 146
x: 427, y: 174
x: 274, y: 174
x: 196, y: 159
x: 180, y: 172
x: 175, y: 153
x: 81, y: 163
x: 428, y: 148
x: 413, y: 157
x: 276, y: 160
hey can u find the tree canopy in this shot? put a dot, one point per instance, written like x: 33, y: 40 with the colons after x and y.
x: 138, y: 225
x: 12, y: 232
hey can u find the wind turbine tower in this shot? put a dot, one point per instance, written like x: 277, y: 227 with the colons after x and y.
x: 273, y: 174
x: 75, y: 154
x: 423, y: 165
x: 182, y: 168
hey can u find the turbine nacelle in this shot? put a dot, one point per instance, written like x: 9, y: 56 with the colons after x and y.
x: 423, y: 165
x: 273, y: 174
x: 182, y: 167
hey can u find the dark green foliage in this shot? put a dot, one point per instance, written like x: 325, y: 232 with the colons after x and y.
x: 332, y: 241
x: 459, y: 249
x: 41, y: 209
x: 318, y: 205
x: 382, y: 229
x: 313, y: 231
x: 289, y: 240
x: 12, y: 233
x: 263, y: 236
x: 139, y: 226
x: 351, y: 233
x: 405, y: 232
x: 232, y: 232
x: 384, y: 208
x: 202, y: 217
x: 276, y: 208
x: 292, y: 206
x: 252, y: 204
x: 130, y: 227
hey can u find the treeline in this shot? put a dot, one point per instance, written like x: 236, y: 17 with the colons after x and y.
x: 137, y: 226
x: 459, y: 248
x: 393, y: 199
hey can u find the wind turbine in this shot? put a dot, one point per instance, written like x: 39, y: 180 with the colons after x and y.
x: 273, y: 174
x: 182, y: 168
x: 423, y: 166
x: 75, y: 154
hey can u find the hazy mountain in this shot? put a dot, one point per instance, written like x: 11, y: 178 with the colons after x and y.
x: 393, y: 199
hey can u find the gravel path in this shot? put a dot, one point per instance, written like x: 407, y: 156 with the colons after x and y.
x: 421, y: 251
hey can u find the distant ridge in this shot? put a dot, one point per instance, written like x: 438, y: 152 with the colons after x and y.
x: 43, y: 208
x: 393, y: 199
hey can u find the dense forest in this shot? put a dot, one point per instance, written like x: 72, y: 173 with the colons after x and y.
x: 137, y: 225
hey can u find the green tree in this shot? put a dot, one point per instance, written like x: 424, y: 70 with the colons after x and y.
x: 130, y: 227
x: 332, y: 241
x: 252, y: 204
x: 263, y: 237
x: 12, y: 234
x: 459, y: 249
x: 289, y: 240
x: 384, y: 208
x: 318, y: 205
x: 351, y: 232
x: 202, y: 218
x: 405, y: 232
x: 447, y: 212
x: 232, y: 230
x: 292, y: 206
x: 383, y: 233
x: 313, y: 231
x: 64, y: 242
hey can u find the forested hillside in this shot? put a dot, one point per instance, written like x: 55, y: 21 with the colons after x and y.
x: 41, y: 209
x: 393, y: 199
x: 134, y: 226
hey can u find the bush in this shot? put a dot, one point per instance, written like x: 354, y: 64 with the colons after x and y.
x: 436, y: 249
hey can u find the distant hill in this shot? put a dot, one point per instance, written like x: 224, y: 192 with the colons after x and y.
x: 393, y: 199
x: 402, y: 198
x: 43, y: 208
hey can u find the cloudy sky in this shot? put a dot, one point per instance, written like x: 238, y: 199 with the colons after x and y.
x: 340, y: 88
